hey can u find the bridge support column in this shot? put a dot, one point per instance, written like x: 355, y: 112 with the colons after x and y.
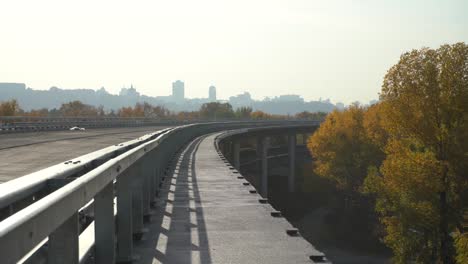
x: 292, y: 161
x: 264, y: 158
x: 124, y: 218
x: 224, y: 148
x: 64, y: 242
x: 160, y: 169
x: 258, y: 152
x: 156, y: 175
x: 230, y: 151
x: 237, y: 154
x: 146, y: 176
x: 104, y: 227
x: 304, y: 139
x: 137, y: 200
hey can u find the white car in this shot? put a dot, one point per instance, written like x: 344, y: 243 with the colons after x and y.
x: 75, y: 128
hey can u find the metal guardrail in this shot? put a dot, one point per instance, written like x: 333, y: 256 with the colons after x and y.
x: 131, y: 173
x: 13, y: 124
x: 269, y: 130
x: 17, y: 193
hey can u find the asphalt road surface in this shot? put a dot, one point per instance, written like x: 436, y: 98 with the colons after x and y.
x: 24, y: 153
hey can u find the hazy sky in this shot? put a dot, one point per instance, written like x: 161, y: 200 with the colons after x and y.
x: 331, y: 49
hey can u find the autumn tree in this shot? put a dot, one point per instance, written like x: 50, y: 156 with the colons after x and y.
x: 77, y: 109
x: 144, y: 110
x: 100, y: 111
x: 37, y: 112
x: 461, y: 242
x: 187, y: 116
x: 259, y: 115
x: 343, y: 152
x: 421, y: 182
x: 9, y: 108
x: 216, y: 110
x: 243, y: 112
x: 305, y: 115
x: 125, y: 112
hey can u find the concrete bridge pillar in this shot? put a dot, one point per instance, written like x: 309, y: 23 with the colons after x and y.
x: 236, y: 153
x: 137, y: 200
x: 124, y: 217
x: 104, y: 227
x: 224, y: 147
x: 292, y: 161
x: 262, y: 147
x: 304, y: 139
x: 258, y: 152
x: 64, y: 242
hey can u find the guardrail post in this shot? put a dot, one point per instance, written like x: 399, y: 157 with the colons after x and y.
x: 292, y: 161
x: 104, y: 231
x: 237, y: 154
x: 64, y: 242
x: 124, y: 218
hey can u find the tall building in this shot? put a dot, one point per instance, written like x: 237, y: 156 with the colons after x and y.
x: 212, y: 93
x: 132, y: 92
x: 178, y: 91
x: 241, y: 100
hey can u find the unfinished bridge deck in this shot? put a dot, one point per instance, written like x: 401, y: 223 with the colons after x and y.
x: 206, y: 213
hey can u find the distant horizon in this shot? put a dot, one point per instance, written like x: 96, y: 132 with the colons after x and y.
x: 336, y: 49
x: 29, y: 98
x: 202, y: 97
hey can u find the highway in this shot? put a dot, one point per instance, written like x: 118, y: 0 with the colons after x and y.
x: 189, y: 205
x: 24, y: 153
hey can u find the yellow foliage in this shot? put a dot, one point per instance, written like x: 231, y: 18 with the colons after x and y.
x: 9, y: 108
x: 259, y: 115
x: 461, y: 244
x: 422, y: 123
x: 342, y: 150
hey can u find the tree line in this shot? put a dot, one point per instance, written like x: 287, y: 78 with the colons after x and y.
x: 407, y: 156
x: 208, y: 111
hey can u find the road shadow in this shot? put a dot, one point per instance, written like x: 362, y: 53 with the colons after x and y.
x: 177, y: 231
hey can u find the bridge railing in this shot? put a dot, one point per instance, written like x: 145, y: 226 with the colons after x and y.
x: 131, y: 179
x: 12, y: 124
x: 22, y: 191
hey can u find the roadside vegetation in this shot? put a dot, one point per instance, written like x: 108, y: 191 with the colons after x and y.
x: 406, y: 157
x: 208, y: 111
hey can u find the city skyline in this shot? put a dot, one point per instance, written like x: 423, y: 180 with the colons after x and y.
x: 210, y: 90
x: 29, y: 98
x: 339, y: 49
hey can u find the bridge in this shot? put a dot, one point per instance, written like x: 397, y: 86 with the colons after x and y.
x: 175, y: 195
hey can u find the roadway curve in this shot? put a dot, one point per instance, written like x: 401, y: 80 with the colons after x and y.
x: 24, y: 153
